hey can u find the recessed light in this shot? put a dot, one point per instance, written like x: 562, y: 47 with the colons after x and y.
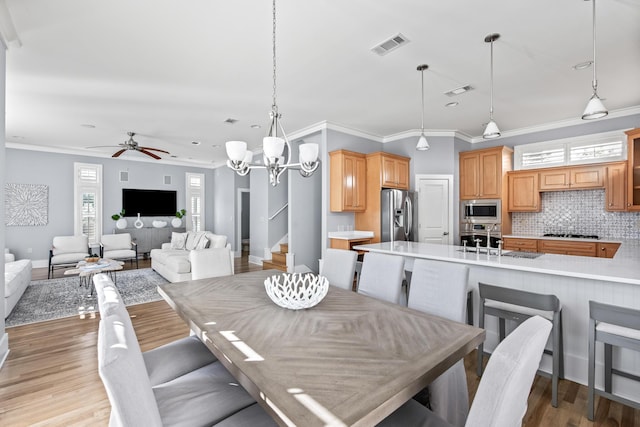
x: 173, y: 156
x: 583, y: 65
x: 88, y: 126
x: 195, y: 142
x: 451, y: 104
x: 255, y: 126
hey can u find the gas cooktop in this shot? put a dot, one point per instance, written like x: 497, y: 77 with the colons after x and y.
x: 573, y: 236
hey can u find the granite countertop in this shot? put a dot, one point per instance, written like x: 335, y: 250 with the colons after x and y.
x: 350, y: 235
x: 623, y: 267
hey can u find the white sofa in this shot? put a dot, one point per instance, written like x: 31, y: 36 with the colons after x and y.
x: 17, y: 276
x: 172, y: 260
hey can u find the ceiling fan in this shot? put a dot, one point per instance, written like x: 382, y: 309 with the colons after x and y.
x: 131, y: 144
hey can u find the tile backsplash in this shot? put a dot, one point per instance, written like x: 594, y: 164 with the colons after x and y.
x: 577, y: 212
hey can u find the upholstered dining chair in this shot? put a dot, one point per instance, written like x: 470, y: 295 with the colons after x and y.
x: 339, y: 267
x: 211, y: 262
x: 501, y: 398
x: 382, y: 277
x: 67, y: 251
x: 440, y: 288
x: 119, y: 247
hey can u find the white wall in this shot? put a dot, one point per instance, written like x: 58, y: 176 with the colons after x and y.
x: 4, y: 338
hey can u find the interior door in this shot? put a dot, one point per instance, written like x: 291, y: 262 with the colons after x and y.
x: 435, y: 220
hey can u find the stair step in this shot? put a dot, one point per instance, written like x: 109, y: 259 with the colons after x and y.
x: 284, y: 248
x: 268, y: 265
x: 279, y: 258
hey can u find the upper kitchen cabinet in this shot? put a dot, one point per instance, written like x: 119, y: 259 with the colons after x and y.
x: 633, y: 169
x: 615, y: 187
x: 394, y: 170
x: 482, y: 173
x: 572, y: 178
x: 523, y: 191
x: 348, y: 181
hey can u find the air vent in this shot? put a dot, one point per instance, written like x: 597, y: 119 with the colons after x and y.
x: 390, y: 44
x: 458, y: 90
x: 124, y: 176
x: 167, y: 180
x: 230, y: 121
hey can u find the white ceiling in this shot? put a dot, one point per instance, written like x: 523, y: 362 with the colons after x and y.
x: 173, y: 70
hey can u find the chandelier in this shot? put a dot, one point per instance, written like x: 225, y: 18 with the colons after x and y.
x: 273, y: 145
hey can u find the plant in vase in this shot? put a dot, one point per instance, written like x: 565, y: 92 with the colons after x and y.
x: 177, y: 221
x: 121, y: 222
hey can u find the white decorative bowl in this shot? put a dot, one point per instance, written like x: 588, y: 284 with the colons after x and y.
x: 296, y: 291
x: 159, y: 224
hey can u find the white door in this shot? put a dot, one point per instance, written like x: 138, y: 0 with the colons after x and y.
x: 435, y: 196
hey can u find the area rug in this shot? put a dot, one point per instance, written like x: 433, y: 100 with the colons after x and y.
x: 63, y: 297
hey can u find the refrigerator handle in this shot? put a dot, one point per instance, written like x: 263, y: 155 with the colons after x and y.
x: 409, y: 217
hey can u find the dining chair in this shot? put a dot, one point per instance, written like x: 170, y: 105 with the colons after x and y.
x: 339, y: 267
x: 613, y: 326
x: 503, y: 392
x: 440, y: 288
x: 211, y: 262
x: 382, y: 277
x: 517, y: 305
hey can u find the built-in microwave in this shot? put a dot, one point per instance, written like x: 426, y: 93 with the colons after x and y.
x: 485, y: 211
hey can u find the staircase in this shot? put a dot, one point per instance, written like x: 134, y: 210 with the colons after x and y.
x: 278, y: 259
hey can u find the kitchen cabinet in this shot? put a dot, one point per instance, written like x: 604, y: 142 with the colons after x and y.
x: 615, y: 187
x: 384, y: 170
x: 482, y: 173
x: 347, y: 181
x: 523, y: 194
x: 348, y: 244
x: 394, y: 170
x: 607, y: 250
x: 517, y: 244
x: 565, y: 247
x: 571, y: 178
x: 633, y: 169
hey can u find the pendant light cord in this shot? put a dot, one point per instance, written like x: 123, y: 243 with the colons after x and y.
x: 422, y: 87
x: 595, y: 81
x: 491, y: 96
x: 274, y: 106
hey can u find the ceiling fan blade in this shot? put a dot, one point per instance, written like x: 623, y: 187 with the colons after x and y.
x: 148, y: 153
x: 117, y: 153
x: 154, y: 149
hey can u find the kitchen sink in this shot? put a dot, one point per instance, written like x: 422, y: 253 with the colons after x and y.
x: 522, y: 254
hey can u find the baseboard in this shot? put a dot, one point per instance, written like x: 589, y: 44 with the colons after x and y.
x: 255, y: 260
x: 4, y: 349
x: 40, y: 263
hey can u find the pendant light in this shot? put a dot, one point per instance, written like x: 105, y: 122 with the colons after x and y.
x: 595, y: 108
x: 422, y: 145
x: 273, y: 145
x: 491, y: 131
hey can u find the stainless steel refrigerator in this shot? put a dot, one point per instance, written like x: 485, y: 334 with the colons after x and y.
x: 397, y: 215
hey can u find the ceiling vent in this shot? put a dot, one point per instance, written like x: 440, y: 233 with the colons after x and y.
x: 458, y: 90
x: 390, y: 44
x: 230, y: 121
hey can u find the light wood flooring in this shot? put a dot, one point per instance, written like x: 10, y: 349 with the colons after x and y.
x: 50, y: 377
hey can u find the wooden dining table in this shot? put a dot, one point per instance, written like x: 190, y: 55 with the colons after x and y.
x: 349, y: 361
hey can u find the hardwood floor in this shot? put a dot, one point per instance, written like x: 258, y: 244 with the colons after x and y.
x: 50, y: 377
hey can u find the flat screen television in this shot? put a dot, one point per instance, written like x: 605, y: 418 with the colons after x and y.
x: 148, y: 202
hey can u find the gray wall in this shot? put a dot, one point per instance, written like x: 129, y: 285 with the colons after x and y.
x: 56, y: 171
x: 224, y: 193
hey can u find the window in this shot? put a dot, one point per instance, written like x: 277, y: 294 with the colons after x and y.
x: 88, y: 201
x: 195, y: 201
x: 604, y: 147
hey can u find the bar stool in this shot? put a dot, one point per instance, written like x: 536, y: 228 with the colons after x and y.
x: 517, y: 305
x: 613, y: 326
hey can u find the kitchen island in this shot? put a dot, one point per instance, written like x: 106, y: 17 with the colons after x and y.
x: 573, y: 279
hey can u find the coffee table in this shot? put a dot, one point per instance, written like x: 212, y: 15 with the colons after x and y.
x: 86, y: 270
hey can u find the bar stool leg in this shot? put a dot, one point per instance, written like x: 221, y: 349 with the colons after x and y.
x: 608, y: 359
x: 481, y: 346
x: 556, y: 359
x: 591, y: 370
x: 503, y: 328
x: 561, y: 349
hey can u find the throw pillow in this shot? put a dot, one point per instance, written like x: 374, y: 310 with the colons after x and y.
x: 193, y: 238
x: 178, y: 240
x: 202, y: 243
